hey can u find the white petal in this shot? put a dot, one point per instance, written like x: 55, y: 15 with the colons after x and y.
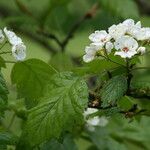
x: 12, y: 37
x: 109, y: 46
x: 87, y: 58
x: 116, y: 31
x: 19, y: 52
x: 99, y: 37
x: 141, y: 50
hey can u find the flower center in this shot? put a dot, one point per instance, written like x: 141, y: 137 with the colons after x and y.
x: 103, y: 40
x: 125, y: 49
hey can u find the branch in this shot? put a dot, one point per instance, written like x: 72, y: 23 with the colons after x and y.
x: 90, y: 14
x: 144, y: 6
x: 62, y: 44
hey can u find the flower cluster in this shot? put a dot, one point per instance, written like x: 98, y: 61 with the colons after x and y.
x: 18, y: 47
x: 124, y: 39
x: 92, y: 122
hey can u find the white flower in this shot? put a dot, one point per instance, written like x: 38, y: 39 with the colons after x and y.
x: 109, y: 46
x: 1, y: 37
x: 131, y: 27
x: 12, y: 37
x: 94, y: 121
x: 141, y: 50
x: 100, y: 37
x: 126, y: 46
x: 116, y: 31
x: 91, y: 52
x: 19, y: 51
x: 143, y: 34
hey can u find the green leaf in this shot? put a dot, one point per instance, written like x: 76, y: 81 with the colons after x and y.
x: 31, y: 77
x: 7, y: 138
x: 61, y: 109
x: 121, y: 8
x: 125, y: 103
x: 2, y: 63
x: 67, y: 144
x: 95, y: 67
x: 113, y: 90
x: 3, y: 93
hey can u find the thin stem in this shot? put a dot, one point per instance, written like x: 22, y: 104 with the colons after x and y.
x: 140, y: 68
x: 7, y: 61
x: 129, y: 75
x: 7, y: 52
x: 11, y: 121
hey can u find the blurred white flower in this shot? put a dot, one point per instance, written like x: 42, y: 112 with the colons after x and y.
x: 91, y: 52
x: 12, y: 37
x: 19, y: 51
x: 109, y: 46
x: 116, y: 31
x: 141, y: 50
x: 100, y: 37
x: 2, y: 37
x: 92, y: 122
x: 126, y: 46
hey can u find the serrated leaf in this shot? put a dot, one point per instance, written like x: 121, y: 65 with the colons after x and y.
x: 60, y: 110
x: 7, y: 138
x: 30, y: 77
x: 121, y: 8
x: 113, y: 90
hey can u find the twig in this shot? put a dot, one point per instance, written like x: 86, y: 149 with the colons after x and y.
x: 140, y: 68
x: 90, y: 14
x: 62, y: 44
x: 7, y: 52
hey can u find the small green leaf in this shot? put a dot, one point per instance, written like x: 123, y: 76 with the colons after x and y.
x: 125, y: 103
x: 113, y: 90
x: 31, y: 77
x: 60, y: 110
x: 94, y: 67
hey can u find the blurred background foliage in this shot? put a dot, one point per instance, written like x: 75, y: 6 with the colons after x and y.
x: 56, y: 31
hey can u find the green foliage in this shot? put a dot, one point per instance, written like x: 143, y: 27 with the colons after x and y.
x: 67, y: 144
x: 2, y: 63
x: 7, y: 138
x: 125, y: 103
x: 61, y: 109
x: 31, y: 77
x: 113, y: 90
x: 61, y: 62
x: 3, y: 93
x: 121, y: 8
x: 95, y: 67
